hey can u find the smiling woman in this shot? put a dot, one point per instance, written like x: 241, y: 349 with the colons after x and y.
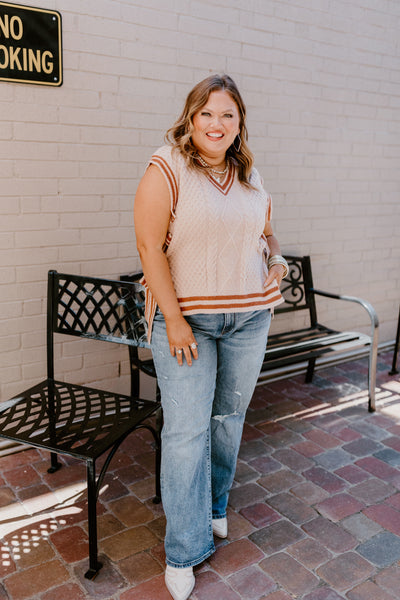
x: 215, y: 128
x: 197, y: 105
x: 203, y: 231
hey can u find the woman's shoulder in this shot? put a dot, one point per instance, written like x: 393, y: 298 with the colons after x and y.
x: 255, y: 177
x: 256, y: 180
x: 168, y: 153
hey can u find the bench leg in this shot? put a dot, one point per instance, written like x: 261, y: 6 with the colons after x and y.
x: 135, y: 382
x: 310, y: 370
x: 55, y: 465
x: 394, y: 370
x: 94, y: 564
x: 373, y: 358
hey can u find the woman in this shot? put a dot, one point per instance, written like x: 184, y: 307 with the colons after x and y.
x: 212, y: 271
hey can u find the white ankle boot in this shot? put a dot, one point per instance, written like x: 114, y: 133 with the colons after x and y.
x: 220, y: 527
x: 179, y: 582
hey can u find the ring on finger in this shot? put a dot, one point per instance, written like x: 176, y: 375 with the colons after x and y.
x: 179, y: 350
x: 193, y: 346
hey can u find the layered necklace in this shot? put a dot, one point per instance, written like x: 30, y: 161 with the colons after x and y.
x: 218, y: 175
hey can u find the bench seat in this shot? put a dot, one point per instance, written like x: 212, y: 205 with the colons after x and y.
x: 308, y: 344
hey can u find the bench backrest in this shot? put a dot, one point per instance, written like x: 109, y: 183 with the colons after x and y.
x: 94, y: 308
x: 296, y: 288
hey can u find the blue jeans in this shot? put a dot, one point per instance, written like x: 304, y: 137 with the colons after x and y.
x: 204, y: 408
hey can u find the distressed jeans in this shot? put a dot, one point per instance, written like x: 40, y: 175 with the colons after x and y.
x: 204, y: 408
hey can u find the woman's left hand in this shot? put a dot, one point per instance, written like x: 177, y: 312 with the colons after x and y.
x: 276, y: 272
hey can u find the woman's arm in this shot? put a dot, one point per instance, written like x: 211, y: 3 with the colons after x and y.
x: 152, y: 215
x: 276, y: 271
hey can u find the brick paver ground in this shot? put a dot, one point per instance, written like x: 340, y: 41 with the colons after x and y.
x: 314, y: 513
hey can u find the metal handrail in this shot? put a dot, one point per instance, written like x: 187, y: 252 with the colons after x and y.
x: 373, y: 354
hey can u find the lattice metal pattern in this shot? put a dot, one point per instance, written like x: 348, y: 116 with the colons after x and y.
x: 84, y: 421
x: 106, y: 310
x: 292, y: 287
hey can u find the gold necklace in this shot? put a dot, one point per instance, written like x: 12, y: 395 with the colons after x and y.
x: 218, y: 174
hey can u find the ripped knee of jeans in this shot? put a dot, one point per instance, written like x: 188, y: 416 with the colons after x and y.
x: 232, y: 409
x: 221, y: 418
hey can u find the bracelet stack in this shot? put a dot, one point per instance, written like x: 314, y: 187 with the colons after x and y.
x: 277, y: 259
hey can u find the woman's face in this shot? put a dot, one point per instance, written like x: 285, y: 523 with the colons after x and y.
x: 216, y: 125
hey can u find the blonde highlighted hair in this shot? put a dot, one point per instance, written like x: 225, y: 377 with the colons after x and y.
x: 180, y: 134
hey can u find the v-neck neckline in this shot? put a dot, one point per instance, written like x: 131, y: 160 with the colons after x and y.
x: 225, y: 185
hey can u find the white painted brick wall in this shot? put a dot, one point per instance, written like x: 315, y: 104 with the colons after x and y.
x: 321, y: 82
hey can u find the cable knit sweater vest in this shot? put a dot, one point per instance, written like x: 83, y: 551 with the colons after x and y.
x: 215, y: 246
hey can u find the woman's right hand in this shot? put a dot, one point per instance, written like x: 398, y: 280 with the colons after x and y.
x: 181, y: 340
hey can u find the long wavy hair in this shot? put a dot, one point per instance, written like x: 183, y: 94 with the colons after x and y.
x: 180, y: 134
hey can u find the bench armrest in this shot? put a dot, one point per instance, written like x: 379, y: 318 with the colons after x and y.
x: 368, y: 307
x: 373, y: 353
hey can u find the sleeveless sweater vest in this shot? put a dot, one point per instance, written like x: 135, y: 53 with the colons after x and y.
x: 215, y: 246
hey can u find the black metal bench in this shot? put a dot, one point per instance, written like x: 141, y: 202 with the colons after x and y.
x: 76, y: 420
x: 304, y: 345
x: 307, y: 344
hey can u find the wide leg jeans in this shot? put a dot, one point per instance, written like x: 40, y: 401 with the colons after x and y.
x: 204, y: 407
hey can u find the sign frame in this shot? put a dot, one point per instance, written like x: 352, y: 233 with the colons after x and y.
x: 28, y: 56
